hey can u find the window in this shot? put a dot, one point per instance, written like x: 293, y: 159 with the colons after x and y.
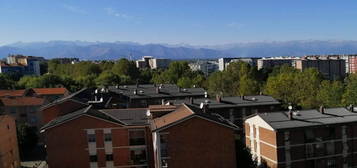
x: 163, y: 145
x: 93, y: 158
x: 309, y: 135
x: 331, y: 133
x: 107, y: 137
x: 331, y: 163
x: 91, y: 137
x: 330, y: 148
x: 137, y: 137
x: 309, y: 150
x: 109, y: 157
x: 138, y: 156
x: 23, y: 115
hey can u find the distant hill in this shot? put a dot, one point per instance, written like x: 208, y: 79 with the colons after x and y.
x: 288, y: 48
x: 115, y: 50
x: 106, y: 51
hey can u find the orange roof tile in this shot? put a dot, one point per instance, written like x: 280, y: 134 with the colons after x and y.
x: 14, y: 93
x: 180, y: 113
x: 23, y: 101
x: 50, y: 91
x: 159, y: 108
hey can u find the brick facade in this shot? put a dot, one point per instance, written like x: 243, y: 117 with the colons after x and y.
x: 200, y: 143
x: 68, y: 146
x: 9, y: 152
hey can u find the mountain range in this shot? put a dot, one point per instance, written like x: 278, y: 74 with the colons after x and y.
x: 115, y: 50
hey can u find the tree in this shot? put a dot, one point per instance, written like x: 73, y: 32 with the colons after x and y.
x: 87, y: 81
x: 6, y: 82
x: 244, y: 157
x: 296, y: 87
x: 44, y: 81
x: 350, y: 94
x: 330, y: 93
x: 107, y: 79
x: 27, y: 138
x: 185, y: 82
x: 247, y: 86
x: 124, y: 67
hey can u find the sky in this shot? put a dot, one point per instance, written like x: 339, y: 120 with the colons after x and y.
x: 195, y: 22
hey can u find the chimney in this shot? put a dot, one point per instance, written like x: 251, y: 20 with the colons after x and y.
x: 179, y: 89
x: 137, y: 83
x: 218, y: 98
x: 191, y: 100
x: 135, y: 92
x: 157, y: 90
x: 290, y: 115
x: 351, y: 108
x: 242, y: 97
x: 322, y: 109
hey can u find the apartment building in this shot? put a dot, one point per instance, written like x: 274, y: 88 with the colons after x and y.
x: 276, y: 61
x: 187, y: 138
x: 99, y: 138
x: 234, y: 108
x: 129, y: 138
x: 24, y: 105
x: 224, y: 62
x: 140, y: 96
x: 331, y: 68
x: 152, y: 63
x: 304, y: 139
x: 9, y: 152
x: 30, y: 64
x: 24, y: 109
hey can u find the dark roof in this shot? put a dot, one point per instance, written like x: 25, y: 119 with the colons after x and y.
x: 184, y: 112
x: 150, y: 91
x: 73, y: 96
x: 231, y: 102
x: 128, y: 116
x: 84, y: 111
x: 306, y: 118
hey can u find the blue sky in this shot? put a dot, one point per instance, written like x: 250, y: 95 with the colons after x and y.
x: 197, y: 22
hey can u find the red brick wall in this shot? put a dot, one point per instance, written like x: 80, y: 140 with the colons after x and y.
x: 200, y: 143
x: 9, y: 152
x: 67, y: 143
x: 50, y: 113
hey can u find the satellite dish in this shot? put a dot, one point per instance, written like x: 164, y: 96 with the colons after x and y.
x: 148, y: 114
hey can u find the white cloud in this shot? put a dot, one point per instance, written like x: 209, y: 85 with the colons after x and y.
x: 75, y: 9
x: 113, y: 12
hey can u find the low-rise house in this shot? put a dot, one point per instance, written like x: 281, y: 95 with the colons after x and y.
x: 99, y: 138
x: 302, y: 139
x: 129, y: 138
x: 9, y: 152
x: 187, y: 138
x: 24, y: 109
